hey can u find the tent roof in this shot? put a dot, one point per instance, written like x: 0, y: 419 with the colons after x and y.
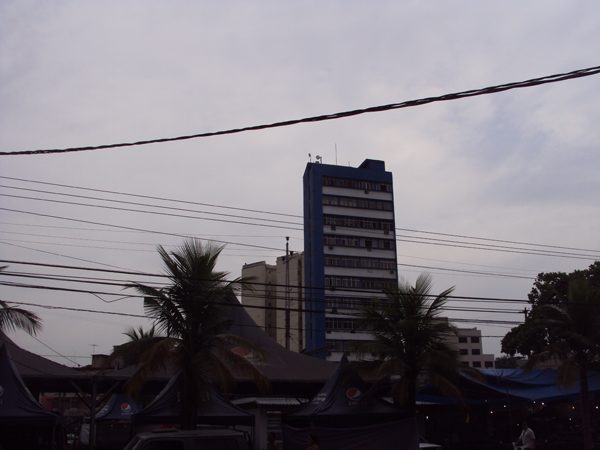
x: 288, y: 371
x: 118, y: 407
x: 41, y: 374
x: 214, y: 410
x: 518, y: 384
x: 17, y: 406
x: 535, y: 384
x: 344, y: 399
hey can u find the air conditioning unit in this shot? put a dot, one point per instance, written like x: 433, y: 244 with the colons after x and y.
x: 392, y: 272
x: 334, y: 311
x: 328, y: 331
x: 368, y: 249
x: 366, y: 191
x: 328, y: 353
x: 352, y: 331
x: 331, y: 247
x: 333, y: 227
x: 386, y: 232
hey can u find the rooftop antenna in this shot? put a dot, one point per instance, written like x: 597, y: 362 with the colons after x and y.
x: 319, y: 159
x: 309, y: 157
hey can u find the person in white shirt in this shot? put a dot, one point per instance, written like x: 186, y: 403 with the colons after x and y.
x: 527, y: 438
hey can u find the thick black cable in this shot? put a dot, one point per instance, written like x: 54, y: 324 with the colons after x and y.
x: 455, y: 96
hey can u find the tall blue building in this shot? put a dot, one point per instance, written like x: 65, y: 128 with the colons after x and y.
x: 349, y: 251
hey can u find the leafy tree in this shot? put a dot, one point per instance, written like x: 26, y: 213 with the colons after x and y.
x: 548, y: 289
x: 409, y: 338
x: 192, y: 313
x: 17, y: 318
x: 575, y: 325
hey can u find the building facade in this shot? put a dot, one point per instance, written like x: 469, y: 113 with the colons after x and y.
x: 349, y: 251
x: 470, y: 348
x: 261, y: 301
x: 277, y: 288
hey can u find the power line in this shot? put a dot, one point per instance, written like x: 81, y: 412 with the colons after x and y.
x: 274, y: 213
x: 148, y: 197
x: 251, y: 283
x: 455, y: 96
x: 415, y: 239
x: 164, y: 233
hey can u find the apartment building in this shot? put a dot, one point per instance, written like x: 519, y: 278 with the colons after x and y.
x: 349, y: 251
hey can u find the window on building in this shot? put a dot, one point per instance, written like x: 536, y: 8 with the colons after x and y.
x: 476, y: 363
x: 346, y: 201
x: 349, y: 262
x: 368, y: 243
x: 330, y: 220
x: 489, y: 364
x: 475, y: 351
x: 475, y: 340
x: 463, y: 351
x: 387, y: 264
x: 330, y: 240
x: 333, y: 324
x: 387, y: 244
x: 462, y: 339
x: 330, y: 200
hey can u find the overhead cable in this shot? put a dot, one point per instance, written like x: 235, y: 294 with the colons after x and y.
x: 455, y: 96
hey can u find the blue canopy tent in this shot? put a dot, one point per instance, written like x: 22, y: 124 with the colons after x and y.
x: 113, y: 423
x: 514, y: 385
x: 24, y: 423
x: 215, y: 409
x: 346, y: 416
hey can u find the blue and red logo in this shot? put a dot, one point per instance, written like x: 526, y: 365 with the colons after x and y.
x: 126, y: 408
x: 353, y: 394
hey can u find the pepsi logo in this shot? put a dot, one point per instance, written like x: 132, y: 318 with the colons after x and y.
x: 126, y: 408
x: 353, y: 394
x: 241, y: 351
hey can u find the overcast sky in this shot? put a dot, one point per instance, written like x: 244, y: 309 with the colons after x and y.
x: 517, y: 166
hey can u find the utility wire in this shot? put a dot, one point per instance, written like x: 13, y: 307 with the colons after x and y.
x: 412, y: 239
x: 421, y: 240
x: 251, y: 283
x: 463, y: 94
x: 279, y: 214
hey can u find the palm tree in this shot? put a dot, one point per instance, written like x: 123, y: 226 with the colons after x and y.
x: 192, y: 313
x: 576, y: 324
x: 409, y: 339
x: 128, y: 354
x: 17, y: 318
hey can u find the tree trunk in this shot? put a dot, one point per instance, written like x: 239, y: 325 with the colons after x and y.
x: 588, y: 443
x: 411, y: 404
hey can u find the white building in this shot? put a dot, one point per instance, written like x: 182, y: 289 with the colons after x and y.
x: 274, y: 286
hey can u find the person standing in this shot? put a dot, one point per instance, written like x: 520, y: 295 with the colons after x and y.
x: 527, y: 438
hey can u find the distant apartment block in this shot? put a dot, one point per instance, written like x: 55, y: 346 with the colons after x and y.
x: 470, y: 348
x: 274, y: 287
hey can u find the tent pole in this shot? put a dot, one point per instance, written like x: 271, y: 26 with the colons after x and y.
x: 510, y: 430
x: 93, y: 413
